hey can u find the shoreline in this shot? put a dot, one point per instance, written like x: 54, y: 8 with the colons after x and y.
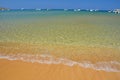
x: 75, y: 53
x: 19, y: 70
x: 96, y: 58
x: 110, y: 66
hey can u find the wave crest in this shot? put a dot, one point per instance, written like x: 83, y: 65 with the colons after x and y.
x: 111, y: 66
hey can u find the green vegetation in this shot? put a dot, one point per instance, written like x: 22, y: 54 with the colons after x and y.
x: 1, y: 8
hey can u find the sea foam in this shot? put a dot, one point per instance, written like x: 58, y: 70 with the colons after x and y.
x: 111, y: 66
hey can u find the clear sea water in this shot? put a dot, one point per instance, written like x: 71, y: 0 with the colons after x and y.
x: 99, y: 29
x: 58, y: 26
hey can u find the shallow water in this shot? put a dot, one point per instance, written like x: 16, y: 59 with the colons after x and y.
x: 61, y: 27
x: 77, y: 36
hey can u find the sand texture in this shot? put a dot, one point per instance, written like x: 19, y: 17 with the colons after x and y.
x: 19, y: 70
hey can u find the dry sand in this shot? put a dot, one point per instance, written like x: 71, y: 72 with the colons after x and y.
x: 19, y: 70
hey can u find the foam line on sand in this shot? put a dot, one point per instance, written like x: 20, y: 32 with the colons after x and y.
x: 111, y: 66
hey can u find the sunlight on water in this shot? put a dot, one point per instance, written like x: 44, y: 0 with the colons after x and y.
x: 77, y: 36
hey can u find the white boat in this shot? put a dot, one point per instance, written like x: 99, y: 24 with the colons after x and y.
x: 65, y: 9
x: 96, y: 9
x: 117, y: 11
x: 91, y: 10
x: 78, y: 9
x: 75, y: 9
x: 37, y: 9
x: 22, y: 8
x: 48, y: 9
x: 109, y: 11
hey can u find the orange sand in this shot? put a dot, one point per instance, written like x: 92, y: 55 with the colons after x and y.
x: 19, y: 70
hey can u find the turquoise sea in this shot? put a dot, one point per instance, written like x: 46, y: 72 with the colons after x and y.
x: 78, y: 33
x: 58, y: 26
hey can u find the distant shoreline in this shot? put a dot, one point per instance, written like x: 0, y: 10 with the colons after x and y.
x: 48, y: 8
x: 1, y: 8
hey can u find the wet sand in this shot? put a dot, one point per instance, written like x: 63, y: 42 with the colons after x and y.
x: 19, y: 70
x: 72, y: 52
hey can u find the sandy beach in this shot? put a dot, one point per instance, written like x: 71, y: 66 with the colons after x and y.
x: 19, y: 70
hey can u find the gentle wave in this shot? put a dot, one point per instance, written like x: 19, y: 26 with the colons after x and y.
x: 111, y: 66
